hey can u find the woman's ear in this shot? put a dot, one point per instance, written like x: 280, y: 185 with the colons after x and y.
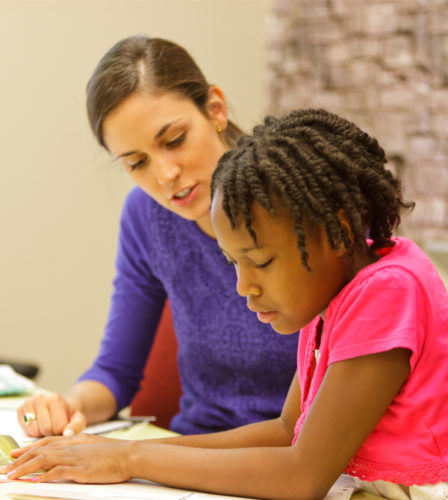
x: 216, y: 107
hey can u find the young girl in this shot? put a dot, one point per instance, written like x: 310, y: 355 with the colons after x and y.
x: 151, y: 107
x: 291, y: 207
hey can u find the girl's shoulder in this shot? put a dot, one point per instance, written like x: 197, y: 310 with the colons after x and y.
x: 402, y: 283
x: 401, y: 264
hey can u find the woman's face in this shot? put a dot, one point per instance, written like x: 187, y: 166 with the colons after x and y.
x: 169, y: 148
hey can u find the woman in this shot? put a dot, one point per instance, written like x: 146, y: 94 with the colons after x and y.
x: 150, y: 106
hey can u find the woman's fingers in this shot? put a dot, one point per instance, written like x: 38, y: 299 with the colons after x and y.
x: 76, y: 424
x: 59, y: 414
x: 26, y: 416
x: 49, y: 415
x: 43, y: 423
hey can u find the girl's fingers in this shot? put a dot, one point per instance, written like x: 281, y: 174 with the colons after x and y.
x: 59, y: 472
x: 17, y: 452
x: 58, y: 442
x: 20, y: 468
x: 39, y: 458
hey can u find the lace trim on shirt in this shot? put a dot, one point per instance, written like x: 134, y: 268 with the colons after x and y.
x: 429, y: 473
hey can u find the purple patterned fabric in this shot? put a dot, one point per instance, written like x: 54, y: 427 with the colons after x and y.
x: 234, y: 370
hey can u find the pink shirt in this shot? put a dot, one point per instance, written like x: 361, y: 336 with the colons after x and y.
x: 399, y: 301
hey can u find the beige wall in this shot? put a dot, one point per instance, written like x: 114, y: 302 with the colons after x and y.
x: 60, y: 197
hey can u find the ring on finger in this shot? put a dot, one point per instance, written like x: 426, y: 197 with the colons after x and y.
x: 28, y: 418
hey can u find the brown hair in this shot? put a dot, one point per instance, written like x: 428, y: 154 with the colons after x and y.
x: 150, y: 65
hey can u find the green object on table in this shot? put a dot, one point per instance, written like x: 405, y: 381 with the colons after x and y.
x: 363, y: 495
x: 140, y: 431
x: 7, y: 443
x: 12, y: 383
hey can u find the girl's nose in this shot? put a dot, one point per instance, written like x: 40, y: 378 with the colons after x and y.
x: 245, y: 286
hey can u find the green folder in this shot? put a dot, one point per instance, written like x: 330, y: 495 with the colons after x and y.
x: 7, y: 443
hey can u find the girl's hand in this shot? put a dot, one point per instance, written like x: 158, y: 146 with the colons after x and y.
x: 62, y: 441
x: 83, y: 459
x: 50, y: 414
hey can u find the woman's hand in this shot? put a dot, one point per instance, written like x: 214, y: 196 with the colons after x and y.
x: 83, y: 459
x: 53, y: 415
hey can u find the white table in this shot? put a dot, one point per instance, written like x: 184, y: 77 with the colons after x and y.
x: 130, y: 490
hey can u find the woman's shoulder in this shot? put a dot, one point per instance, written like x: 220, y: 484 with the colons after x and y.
x: 137, y: 202
x: 140, y: 208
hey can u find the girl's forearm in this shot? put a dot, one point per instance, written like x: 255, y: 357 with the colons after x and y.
x: 267, y: 433
x: 266, y: 472
x: 270, y: 433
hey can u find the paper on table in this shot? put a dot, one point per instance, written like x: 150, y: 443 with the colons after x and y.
x: 10, y: 426
x: 132, y: 490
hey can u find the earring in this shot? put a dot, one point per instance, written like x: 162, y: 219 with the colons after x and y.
x: 219, y: 128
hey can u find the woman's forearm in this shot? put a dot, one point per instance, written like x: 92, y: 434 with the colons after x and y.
x: 92, y: 399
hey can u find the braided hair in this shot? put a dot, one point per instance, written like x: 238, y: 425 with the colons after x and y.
x: 317, y: 164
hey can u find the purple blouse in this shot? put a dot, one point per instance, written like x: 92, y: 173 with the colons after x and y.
x: 234, y: 370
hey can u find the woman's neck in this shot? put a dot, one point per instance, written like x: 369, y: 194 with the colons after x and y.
x: 205, y: 225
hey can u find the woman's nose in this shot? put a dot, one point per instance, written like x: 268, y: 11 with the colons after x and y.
x: 166, y: 171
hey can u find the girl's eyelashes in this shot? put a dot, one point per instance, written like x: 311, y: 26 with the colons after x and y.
x: 257, y: 266
x: 264, y: 264
x: 176, y: 142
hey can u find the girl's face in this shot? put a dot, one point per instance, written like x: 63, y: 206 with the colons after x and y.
x: 271, y: 275
x: 169, y: 148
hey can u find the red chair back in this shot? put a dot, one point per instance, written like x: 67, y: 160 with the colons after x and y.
x: 160, y: 388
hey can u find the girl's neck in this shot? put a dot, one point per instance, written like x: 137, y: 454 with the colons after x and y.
x: 360, y: 260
